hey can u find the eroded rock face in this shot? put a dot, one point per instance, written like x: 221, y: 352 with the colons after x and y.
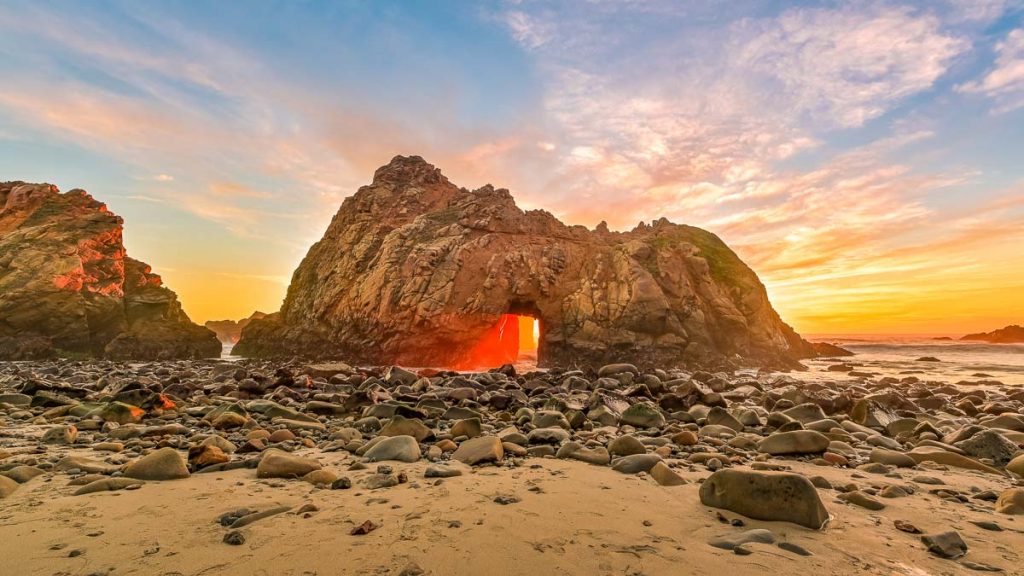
x: 229, y: 331
x: 414, y: 270
x: 67, y: 285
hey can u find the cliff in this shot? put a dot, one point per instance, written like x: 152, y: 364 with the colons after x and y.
x: 229, y: 331
x: 67, y: 285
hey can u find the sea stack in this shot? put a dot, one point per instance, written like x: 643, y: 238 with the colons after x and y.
x: 415, y: 270
x: 67, y: 286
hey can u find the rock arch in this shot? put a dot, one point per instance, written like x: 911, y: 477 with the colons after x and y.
x: 413, y: 270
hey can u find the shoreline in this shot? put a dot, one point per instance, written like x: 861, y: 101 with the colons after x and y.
x: 545, y: 473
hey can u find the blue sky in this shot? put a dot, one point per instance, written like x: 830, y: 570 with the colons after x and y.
x: 863, y: 157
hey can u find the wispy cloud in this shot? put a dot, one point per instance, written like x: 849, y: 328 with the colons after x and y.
x: 1004, y: 83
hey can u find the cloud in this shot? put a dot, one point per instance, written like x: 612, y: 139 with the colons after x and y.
x: 144, y: 198
x: 1004, y: 82
x: 235, y: 190
x: 851, y: 65
x: 983, y: 11
x: 163, y: 178
x: 528, y: 31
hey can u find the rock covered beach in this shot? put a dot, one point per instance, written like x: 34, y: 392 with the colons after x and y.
x: 214, y: 467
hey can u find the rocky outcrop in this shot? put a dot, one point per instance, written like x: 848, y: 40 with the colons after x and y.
x: 68, y: 287
x: 229, y: 331
x: 415, y: 270
x: 829, y: 349
x: 1010, y: 335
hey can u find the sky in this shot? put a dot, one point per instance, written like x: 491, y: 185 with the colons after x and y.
x: 866, y: 159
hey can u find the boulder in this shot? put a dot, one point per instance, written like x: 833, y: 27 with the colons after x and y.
x: 469, y: 427
x: 795, y: 442
x: 1016, y: 465
x: 279, y: 464
x: 1011, y: 501
x: 7, y: 487
x: 625, y: 445
x: 107, y: 485
x: 635, y: 463
x: 940, y: 456
x: 400, y: 448
x: 774, y: 496
x: 891, y: 458
x: 22, y: 474
x: 576, y: 451
x: 162, y: 464
x: 989, y: 444
x: 480, y: 450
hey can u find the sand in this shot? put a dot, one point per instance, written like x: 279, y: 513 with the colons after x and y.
x: 572, y: 518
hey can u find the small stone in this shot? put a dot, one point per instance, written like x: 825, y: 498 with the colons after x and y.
x: 794, y: 548
x: 987, y: 525
x: 364, y: 528
x: 759, y: 536
x: 861, y: 499
x: 904, y: 526
x: 441, y: 471
x: 946, y: 544
x: 343, y: 483
x: 320, y: 477
x: 643, y: 415
x: 235, y: 537
x: 665, y: 476
x: 61, y: 435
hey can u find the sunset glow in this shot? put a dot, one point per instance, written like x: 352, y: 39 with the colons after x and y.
x: 863, y: 159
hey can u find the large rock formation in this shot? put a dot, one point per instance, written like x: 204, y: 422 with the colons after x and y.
x: 229, y: 331
x: 67, y: 286
x: 414, y: 270
x: 1012, y: 334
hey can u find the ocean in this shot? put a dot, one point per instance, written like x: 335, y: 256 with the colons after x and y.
x: 898, y: 356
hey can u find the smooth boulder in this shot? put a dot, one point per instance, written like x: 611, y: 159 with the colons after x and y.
x: 795, y: 442
x: 279, y: 464
x: 400, y: 448
x: 163, y: 464
x: 480, y: 450
x: 775, y: 496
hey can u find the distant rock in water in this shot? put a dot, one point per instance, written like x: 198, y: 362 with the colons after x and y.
x: 229, y: 331
x: 68, y: 287
x: 829, y: 349
x: 1010, y: 335
x: 415, y: 270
